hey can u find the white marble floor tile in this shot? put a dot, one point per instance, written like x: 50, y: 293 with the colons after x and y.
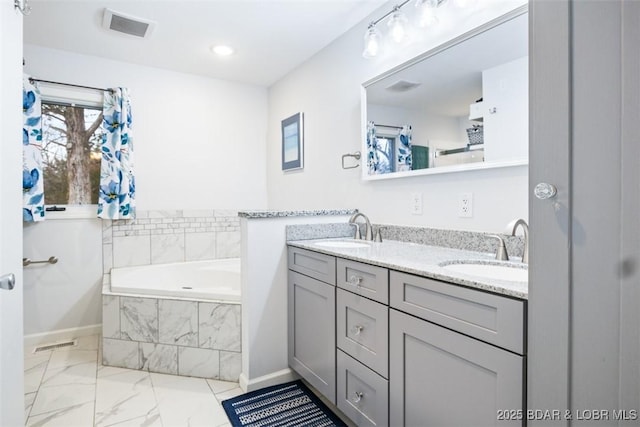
x: 184, y: 401
x: 34, y: 368
x: 229, y: 394
x: 61, y: 359
x: 124, y: 396
x: 28, y: 403
x: 56, y: 398
x: 218, y: 386
x: 152, y: 419
x: 80, y: 415
x: 81, y: 374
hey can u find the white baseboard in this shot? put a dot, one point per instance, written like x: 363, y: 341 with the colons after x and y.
x: 61, y: 335
x: 278, y: 377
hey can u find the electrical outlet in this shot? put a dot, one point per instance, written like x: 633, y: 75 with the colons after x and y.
x: 416, y: 204
x: 465, y: 205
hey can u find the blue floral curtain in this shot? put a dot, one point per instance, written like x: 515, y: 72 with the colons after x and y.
x: 403, y: 149
x: 117, y: 181
x: 373, y: 162
x: 32, y: 186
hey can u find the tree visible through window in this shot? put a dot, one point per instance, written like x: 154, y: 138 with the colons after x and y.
x: 71, y: 153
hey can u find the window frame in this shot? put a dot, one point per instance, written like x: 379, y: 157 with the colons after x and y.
x: 75, y: 97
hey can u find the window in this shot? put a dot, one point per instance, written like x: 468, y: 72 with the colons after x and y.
x: 71, y: 153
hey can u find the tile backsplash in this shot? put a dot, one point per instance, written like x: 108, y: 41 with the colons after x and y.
x: 159, y: 237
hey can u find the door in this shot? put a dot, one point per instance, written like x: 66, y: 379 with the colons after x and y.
x: 11, y: 341
x: 312, y: 332
x: 439, y: 377
x: 584, y: 299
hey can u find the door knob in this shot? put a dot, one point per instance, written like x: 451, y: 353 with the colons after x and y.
x: 8, y: 281
x: 544, y: 191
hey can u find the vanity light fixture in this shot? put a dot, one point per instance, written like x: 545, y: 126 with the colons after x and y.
x: 398, y: 24
x: 372, y: 42
x: 427, y: 12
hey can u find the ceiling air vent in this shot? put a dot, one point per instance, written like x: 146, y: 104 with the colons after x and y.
x: 122, y: 23
x: 402, y: 86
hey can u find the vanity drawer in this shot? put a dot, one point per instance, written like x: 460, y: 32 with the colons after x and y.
x: 362, y: 395
x: 364, y: 279
x: 313, y: 264
x: 488, y: 317
x: 363, y: 330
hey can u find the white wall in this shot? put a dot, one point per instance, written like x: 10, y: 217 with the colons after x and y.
x: 199, y: 142
x: 327, y: 89
x: 67, y: 294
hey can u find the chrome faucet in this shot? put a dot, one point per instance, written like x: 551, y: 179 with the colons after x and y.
x: 525, y: 229
x: 368, y: 230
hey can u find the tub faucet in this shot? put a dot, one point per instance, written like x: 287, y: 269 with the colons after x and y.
x: 368, y: 230
x: 525, y: 229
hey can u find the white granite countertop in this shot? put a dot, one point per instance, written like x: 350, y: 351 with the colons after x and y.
x: 423, y: 260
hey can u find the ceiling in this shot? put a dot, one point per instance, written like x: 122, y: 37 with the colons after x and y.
x: 271, y: 37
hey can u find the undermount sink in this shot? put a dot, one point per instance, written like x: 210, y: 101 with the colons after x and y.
x: 342, y: 244
x: 489, y: 270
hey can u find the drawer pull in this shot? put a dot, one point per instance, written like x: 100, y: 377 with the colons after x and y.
x: 357, y: 329
x: 359, y: 395
x: 355, y: 280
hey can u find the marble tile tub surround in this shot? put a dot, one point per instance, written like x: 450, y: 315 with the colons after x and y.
x: 455, y: 239
x: 189, y: 338
x: 159, y: 237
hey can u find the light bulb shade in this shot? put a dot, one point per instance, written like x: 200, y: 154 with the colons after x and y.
x: 372, y: 42
x: 427, y: 13
x: 398, y: 26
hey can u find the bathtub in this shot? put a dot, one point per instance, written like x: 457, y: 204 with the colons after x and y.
x: 179, y: 319
x: 217, y: 280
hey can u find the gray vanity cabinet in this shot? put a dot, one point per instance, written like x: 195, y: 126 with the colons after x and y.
x: 443, y: 378
x: 312, y: 321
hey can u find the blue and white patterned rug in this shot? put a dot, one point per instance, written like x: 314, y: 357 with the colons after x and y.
x: 289, y: 404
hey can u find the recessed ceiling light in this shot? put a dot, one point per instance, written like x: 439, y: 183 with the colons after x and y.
x: 222, y: 50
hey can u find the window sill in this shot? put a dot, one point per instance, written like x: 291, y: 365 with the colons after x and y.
x: 73, y: 212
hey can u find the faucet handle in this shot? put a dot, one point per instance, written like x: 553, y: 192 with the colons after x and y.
x: 378, y: 237
x: 501, y: 252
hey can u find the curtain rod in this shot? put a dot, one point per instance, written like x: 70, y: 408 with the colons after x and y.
x: 32, y: 80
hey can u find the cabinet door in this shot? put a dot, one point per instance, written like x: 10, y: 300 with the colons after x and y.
x: 312, y: 332
x: 442, y: 378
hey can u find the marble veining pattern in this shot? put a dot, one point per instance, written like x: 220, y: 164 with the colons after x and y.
x: 219, y: 326
x: 139, y: 319
x: 255, y: 214
x: 423, y: 260
x: 123, y: 354
x: 159, y: 358
x: 198, y: 362
x: 178, y: 322
x: 166, y: 248
x: 87, y: 394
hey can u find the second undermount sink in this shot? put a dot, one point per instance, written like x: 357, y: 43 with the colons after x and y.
x: 489, y: 270
x: 344, y: 244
